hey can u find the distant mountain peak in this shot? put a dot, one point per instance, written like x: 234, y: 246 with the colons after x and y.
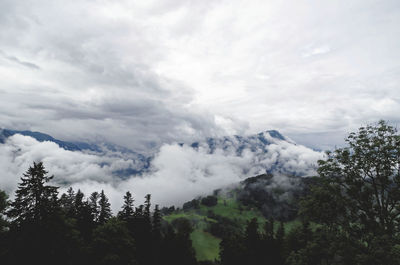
x: 99, y: 149
x: 274, y: 134
x: 42, y: 137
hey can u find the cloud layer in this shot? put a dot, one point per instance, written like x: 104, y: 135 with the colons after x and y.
x: 178, y: 173
x: 143, y: 73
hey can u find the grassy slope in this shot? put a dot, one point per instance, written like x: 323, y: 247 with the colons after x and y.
x: 207, y: 245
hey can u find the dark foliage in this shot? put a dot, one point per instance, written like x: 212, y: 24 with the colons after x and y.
x: 356, y: 202
x: 274, y: 202
x: 104, y: 212
x: 112, y: 244
x: 167, y: 210
x: 223, y: 227
x: 209, y: 201
x: 253, y: 246
x: 44, y: 229
x: 193, y: 204
x: 3, y: 207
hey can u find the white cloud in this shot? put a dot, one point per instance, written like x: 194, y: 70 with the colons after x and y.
x: 317, y: 51
x: 178, y: 173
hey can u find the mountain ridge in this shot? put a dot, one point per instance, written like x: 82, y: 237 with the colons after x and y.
x: 259, y: 145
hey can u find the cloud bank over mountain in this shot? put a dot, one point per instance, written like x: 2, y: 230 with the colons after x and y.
x: 177, y: 172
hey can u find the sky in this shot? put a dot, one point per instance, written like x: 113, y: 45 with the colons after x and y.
x: 143, y: 73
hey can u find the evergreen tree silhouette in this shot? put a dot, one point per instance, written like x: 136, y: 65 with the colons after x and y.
x: 127, y: 212
x: 156, y: 236
x: 39, y: 232
x: 3, y: 207
x: 143, y: 229
x: 3, y: 225
x: 34, y: 200
x: 104, y: 208
x: 67, y: 203
x: 157, y: 223
x: 253, y: 243
x: 272, y: 248
x: 83, y: 216
x: 146, y: 213
x: 94, y: 205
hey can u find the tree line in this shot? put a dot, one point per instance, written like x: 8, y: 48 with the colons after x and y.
x: 44, y: 228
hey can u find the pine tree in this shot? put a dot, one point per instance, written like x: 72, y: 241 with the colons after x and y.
x: 3, y: 207
x: 143, y: 233
x: 147, y: 206
x: 157, y: 223
x: 139, y: 211
x: 4, y: 245
x: 252, y: 242
x: 82, y: 207
x: 94, y: 206
x: 34, y: 200
x: 104, y: 208
x: 67, y: 202
x: 83, y: 216
x: 3, y: 225
x: 147, y: 217
x: 127, y: 211
x: 157, y: 236
x: 40, y: 233
x: 78, y: 202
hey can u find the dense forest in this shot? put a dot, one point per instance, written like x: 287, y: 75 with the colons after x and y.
x: 350, y: 214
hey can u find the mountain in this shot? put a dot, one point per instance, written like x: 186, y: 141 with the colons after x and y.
x: 42, y: 137
x: 265, y: 152
x: 142, y: 162
x: 271, y: 152
x: 238, y: 143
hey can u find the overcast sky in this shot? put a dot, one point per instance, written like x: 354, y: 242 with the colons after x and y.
x: 140, y: 73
